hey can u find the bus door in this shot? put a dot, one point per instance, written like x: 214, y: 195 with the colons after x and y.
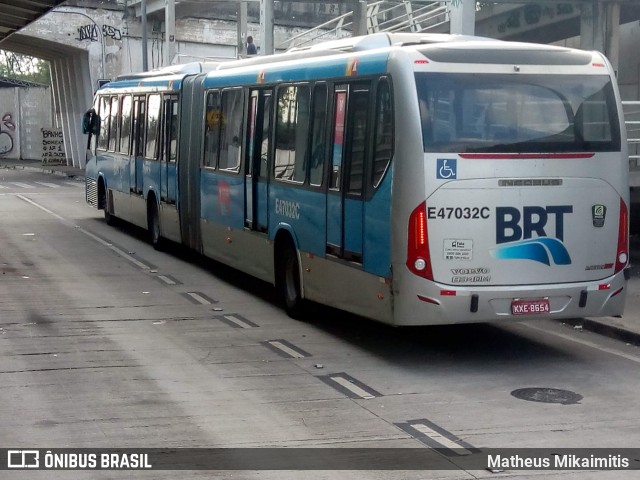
x: 345, y: 197
x: 257, y: 154
x: 139, y: 113
x: 168, y: 153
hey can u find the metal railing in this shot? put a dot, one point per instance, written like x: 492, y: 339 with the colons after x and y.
x: 632, y: 122
x: 382, y: 16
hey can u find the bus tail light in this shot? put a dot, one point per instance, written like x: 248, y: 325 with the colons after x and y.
x: 622, y: 253
x: 418, y: 259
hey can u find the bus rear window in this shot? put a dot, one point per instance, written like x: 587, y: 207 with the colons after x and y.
x: 517, y: 113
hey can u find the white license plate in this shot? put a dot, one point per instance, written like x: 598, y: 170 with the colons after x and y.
x: 530, y: 307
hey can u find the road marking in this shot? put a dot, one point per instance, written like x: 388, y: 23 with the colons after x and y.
x: 354, y: 388
x: 439, y: 438
x: 3, y: 186
x: 200, y: 298
x: 436, y: 437
x: 22, y: 185
x: 75, y: 184
x: 350, y: 386
x: 584, y: 342
x: 286, y: 349
x: 101, y: 241
x: 47, y: 184
x: 236, y: 321
x: 168, y: 280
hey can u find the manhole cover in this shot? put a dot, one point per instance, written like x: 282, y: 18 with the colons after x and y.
x: 547, y: 395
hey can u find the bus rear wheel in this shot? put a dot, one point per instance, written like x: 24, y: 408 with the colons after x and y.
x: 153, y: 221
x: 289, y: 284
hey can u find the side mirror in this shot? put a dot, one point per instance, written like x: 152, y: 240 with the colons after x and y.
x: 91, y: 122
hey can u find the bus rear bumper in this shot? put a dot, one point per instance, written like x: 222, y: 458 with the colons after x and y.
x: 438, y: 304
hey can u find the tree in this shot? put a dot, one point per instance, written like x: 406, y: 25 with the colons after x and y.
x: 24, y: 67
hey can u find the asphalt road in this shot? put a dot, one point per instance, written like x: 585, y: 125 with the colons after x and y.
x: 107, y: 343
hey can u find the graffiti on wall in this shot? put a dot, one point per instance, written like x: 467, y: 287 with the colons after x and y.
x: 111, y: 32
x: 6, y: 137
x: 90, y: 32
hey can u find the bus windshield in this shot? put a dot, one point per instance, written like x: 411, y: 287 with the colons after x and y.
x: 468, y: 113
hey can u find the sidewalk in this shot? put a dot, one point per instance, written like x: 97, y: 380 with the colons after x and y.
x: 37, y: 166
x: 626, y: 329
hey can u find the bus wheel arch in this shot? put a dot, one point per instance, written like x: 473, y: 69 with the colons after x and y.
x: 153, y: 222
x: 288, y: 275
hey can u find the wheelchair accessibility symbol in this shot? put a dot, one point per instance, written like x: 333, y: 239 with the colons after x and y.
x: 446, y: 169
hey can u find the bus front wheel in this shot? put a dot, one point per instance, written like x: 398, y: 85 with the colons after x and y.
x: 109, y: 218
x: 289, y: 284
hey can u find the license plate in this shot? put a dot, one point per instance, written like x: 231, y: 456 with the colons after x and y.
x: 530, y: 307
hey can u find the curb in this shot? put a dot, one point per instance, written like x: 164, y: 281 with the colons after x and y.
x: 604, y: 329
x: 44, y: 169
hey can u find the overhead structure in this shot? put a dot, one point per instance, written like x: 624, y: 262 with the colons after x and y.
x: 15, y: 14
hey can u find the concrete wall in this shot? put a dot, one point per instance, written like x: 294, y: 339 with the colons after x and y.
x: 23, y: 113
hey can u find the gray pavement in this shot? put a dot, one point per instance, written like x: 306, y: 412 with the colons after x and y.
x: 625, y: 328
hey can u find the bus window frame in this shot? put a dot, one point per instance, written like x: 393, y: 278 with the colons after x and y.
x: 238, y: 169
x: 158, y: 139
x: 324, y: 139
x: 214, y: 165
x: 372, y: 186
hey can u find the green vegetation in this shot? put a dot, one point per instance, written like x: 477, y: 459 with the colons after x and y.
x: 23, y: 67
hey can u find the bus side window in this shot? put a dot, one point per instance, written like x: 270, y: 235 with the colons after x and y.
x: 266, y: 135
x: 153, y: 121
x: 318, y: 133
x: 213, y: 118
x: 171, y: 129
x: 138, y: 126
x: 357, y: 143
x: 113, y: 124
x: 292, y: 129
x: 103, y: 137
x: 125, y: 126
x: 383, y: 136
x: 340, y: 109
x: 231, y: 130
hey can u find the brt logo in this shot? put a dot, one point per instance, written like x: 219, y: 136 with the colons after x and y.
x: 515, y: 229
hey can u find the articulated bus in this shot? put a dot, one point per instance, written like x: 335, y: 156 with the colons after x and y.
x: 412, y: 179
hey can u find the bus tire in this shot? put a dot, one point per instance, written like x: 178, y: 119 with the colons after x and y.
x: 289, y: 284
x: 153, y: 222
x: 102, y: 203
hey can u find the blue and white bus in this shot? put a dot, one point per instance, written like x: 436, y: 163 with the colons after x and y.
x: 412, y: 179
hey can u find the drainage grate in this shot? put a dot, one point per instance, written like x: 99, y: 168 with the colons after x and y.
x: 547, y: 395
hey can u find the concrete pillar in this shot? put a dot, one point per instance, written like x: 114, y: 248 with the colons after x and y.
x: 600, y: 30
x: 169, y: 32
x: 143, y: 13
x: 359, y: 26
x: 266, y: 27
x: 592, y: 26
x: 462, y: 17
x: 242, y: 29
x: 612, y: 39
x: 68, y: 125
